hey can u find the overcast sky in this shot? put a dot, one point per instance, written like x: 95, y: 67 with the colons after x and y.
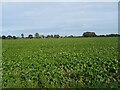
x: 71, y: 18
x: 60, y: 0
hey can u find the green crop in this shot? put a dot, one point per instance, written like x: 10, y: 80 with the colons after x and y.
x: 60, y: 63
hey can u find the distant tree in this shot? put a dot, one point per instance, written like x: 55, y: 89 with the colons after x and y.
x: 89, y: 34
x: 4, y: 37
x: 42, y: 36
x: 112, y: 35
x: 65, y: 36
x: 22, y: 35
x: 71, y: 36
x: 14, y: 37
x: 37, y: 35
x: 9, y: 36
x: 101, y: 35
x: 48, y: 36
x: 56, y: 36
x: 61, y: 36
x: 51, y: 36
x: 30, y: 36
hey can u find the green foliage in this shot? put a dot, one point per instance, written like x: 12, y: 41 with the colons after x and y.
x: 4, y: 37
x: 61, y: 63
x: 30, y: 36
x: 9, y: 36
x: 37, y: 35
x: 89, y: 34
x: 22, y: 35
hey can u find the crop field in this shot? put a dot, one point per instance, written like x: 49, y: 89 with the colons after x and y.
x: 60, y: 63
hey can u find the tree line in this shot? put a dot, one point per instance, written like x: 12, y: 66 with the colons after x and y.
x: 37, y: 35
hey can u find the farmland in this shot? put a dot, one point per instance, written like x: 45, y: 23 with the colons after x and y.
x: 60, y: 63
